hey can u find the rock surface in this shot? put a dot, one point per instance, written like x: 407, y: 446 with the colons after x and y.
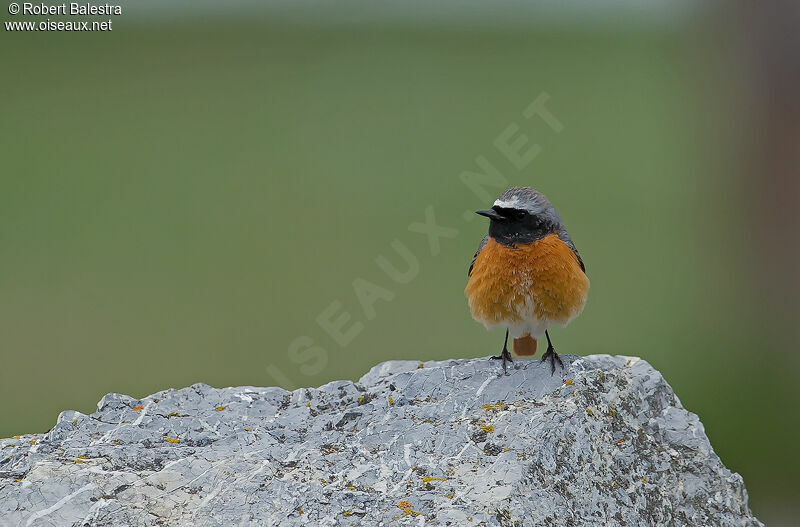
x: 604, y: 441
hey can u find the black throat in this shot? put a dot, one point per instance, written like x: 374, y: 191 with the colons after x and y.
x: 511, y: 233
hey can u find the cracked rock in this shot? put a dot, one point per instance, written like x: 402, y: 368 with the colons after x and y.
x: 604, y: 441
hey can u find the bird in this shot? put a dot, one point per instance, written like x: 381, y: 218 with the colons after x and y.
x: 527, y: 274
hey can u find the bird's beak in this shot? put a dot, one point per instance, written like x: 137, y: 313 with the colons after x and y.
x: 491, y: 214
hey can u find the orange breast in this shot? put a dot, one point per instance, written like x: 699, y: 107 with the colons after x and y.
x: 540, y: 281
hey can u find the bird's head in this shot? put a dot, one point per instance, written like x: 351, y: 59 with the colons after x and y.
x: 521, y: 215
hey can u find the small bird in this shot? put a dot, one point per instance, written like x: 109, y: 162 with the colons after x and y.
x: 527, y: 274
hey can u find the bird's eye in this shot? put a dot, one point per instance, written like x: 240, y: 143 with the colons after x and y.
x: 520, y: 214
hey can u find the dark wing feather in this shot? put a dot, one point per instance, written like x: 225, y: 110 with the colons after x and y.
x: 564, y: 237
x: 481, y: 246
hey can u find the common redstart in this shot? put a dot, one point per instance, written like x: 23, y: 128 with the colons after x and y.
x: 527, y: 274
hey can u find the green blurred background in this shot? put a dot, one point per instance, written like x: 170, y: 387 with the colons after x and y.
x: 180, y: 198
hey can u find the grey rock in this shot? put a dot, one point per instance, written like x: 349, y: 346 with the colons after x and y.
x: 604, y: 441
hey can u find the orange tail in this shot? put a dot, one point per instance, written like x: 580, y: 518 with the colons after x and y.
x: 525, y: 346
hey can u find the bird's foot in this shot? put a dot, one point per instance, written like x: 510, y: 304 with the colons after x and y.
x: 553, y: 356
x: 506, y: 356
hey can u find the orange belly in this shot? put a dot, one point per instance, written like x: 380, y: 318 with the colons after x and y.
x: 527, y: 288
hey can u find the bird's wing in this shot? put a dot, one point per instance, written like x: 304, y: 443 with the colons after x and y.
x: 564, y: 237
x: 481, y: 246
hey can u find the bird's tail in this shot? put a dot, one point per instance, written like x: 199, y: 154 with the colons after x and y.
x: 525, y: 346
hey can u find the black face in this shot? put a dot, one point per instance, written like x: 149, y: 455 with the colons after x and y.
x: 511, y: 226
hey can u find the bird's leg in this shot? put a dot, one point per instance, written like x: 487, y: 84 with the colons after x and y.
x: 552, y: 355
x: 505, y: 355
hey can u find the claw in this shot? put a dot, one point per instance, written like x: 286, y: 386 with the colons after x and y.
x: 506, y: 356
x: 553, y: 356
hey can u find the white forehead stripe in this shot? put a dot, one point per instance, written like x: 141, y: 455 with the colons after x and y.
x: 510, y: 204
x: 513, y: 203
